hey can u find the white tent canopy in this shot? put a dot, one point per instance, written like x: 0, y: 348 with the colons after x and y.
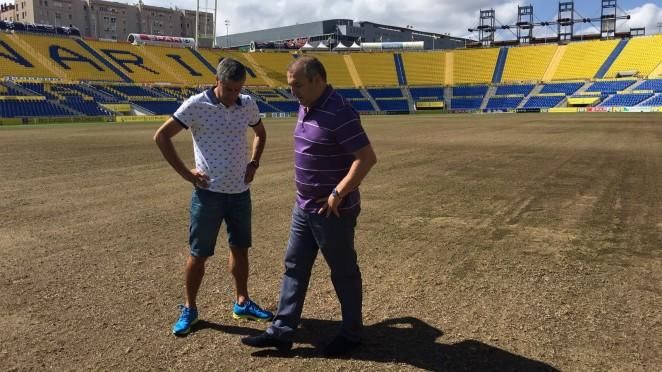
x: 355, y: 46
x: 307, y: 46
x: 322, y: 46
x: 340, y: 46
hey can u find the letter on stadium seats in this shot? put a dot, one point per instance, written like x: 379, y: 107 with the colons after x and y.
x: 138, y: 60
x: 14, y: 57
x: 54, y: 51
x: 179, y: 60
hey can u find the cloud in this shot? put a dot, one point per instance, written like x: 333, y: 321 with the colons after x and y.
x: 647, y: 15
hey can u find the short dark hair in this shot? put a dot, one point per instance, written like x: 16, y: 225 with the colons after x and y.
x: 230, y: 70
x: 311, y: 67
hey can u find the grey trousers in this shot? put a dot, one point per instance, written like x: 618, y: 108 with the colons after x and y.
x: 334, y: 236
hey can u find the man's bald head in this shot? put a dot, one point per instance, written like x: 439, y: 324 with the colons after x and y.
x: 311, y: 67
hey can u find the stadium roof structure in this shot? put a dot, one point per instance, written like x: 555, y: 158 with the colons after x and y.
x: 335, y: 31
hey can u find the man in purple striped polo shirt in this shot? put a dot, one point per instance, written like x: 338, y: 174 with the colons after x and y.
x: 332, y: 156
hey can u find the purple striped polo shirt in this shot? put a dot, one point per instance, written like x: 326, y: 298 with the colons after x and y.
x: 325, y: 138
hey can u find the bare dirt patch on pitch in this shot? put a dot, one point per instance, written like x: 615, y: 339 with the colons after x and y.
x: 516, y: 242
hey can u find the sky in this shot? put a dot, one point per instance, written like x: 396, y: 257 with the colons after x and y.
x: 441, y: 16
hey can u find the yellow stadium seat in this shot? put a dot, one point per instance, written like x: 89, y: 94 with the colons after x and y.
x: 376, y: 69
x: 337, y: 73
x: 528, y: 63
x: 582, y: 60
x: 17, y: 62
x: 274, y: 65
x: 214, y: 56
x: 135, y: 62
x: 474, y: 66
x: 641, y: 54
x: 183, y: 63
x: 70, y: 58
x: 424, y: 68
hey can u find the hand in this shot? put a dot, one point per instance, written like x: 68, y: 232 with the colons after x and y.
x: 250, y: 173
x: 330, y: 205
x: 198, y: 178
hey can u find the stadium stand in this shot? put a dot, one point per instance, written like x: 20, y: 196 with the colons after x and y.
x: 427, y: 93
x: 376, y: 69
x: 350, y: 93
x: 16, y: 62
x: 184, y: 63
x: 393, y: 105
x: 213, y: 57
x: 70, y: 58
x: 385, y: 93
x: 514, y: 89
x: 337, y: 72
x: 565, y: 88
x: 540, y: 102
x: 641, y: 56
x: 274, y: 65
x: 503, y: 103
x: 528, y: 63
x: 474, y: 66
x: 654, y: 101
x: 626, y: 99
x: 582, y: 60
x: 135, y: 62
x: 362, y: 105
x: 469, y: 91
x: 610, y: 87
x: 61, y: 76
x: 424, y: 68
x: 654, y: 85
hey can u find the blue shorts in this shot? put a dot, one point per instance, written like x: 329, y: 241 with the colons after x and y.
x: 208, y: 210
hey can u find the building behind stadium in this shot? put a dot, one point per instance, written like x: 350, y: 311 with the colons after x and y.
x: 110, y: 20
x: 345, y: 31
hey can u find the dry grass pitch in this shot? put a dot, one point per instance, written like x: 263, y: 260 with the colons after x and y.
x: 486, y: 242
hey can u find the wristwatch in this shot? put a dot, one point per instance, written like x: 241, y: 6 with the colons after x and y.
x: 255, y: 163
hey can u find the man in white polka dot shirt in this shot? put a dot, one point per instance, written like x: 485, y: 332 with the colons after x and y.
x: 218, y: 119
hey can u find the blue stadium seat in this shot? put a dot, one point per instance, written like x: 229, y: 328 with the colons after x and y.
x: 362, y: 105
x: 466, y: 104
x: 159, y: 107
x: 514, y: 89
x: 654, y: 85
x: 15, y: 108
x: 263, y: 107
x: 543, y: 101
x: 89, y: 108
x: 470, y: 91
x: 427, y: 92
x: 610, y: 87
x: 626, y: 100
x: 393, y: 105
x: 655, y: 101
x: 377, y: 93
x: 566, y: 88
x: 503, y: 103
x: 350, y: 93
x: 286, y: 106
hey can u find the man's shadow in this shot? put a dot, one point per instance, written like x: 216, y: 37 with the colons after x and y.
x: 401, y: 340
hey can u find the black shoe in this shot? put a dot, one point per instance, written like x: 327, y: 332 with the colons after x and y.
x: 340, y: 345
x: 266, y: 340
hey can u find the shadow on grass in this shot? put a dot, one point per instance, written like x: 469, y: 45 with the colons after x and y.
x: 404, y: 340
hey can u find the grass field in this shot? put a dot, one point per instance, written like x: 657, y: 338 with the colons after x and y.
x: 486, y: 242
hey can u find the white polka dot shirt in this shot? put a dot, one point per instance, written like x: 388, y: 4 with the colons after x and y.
x: 219, y: 138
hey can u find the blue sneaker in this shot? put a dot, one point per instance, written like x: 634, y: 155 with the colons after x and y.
x: 251, y: 311
x: 187, y: 319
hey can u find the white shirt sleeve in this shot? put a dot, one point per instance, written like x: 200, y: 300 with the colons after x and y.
x: 254, y: 112
x: 185, y: 114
